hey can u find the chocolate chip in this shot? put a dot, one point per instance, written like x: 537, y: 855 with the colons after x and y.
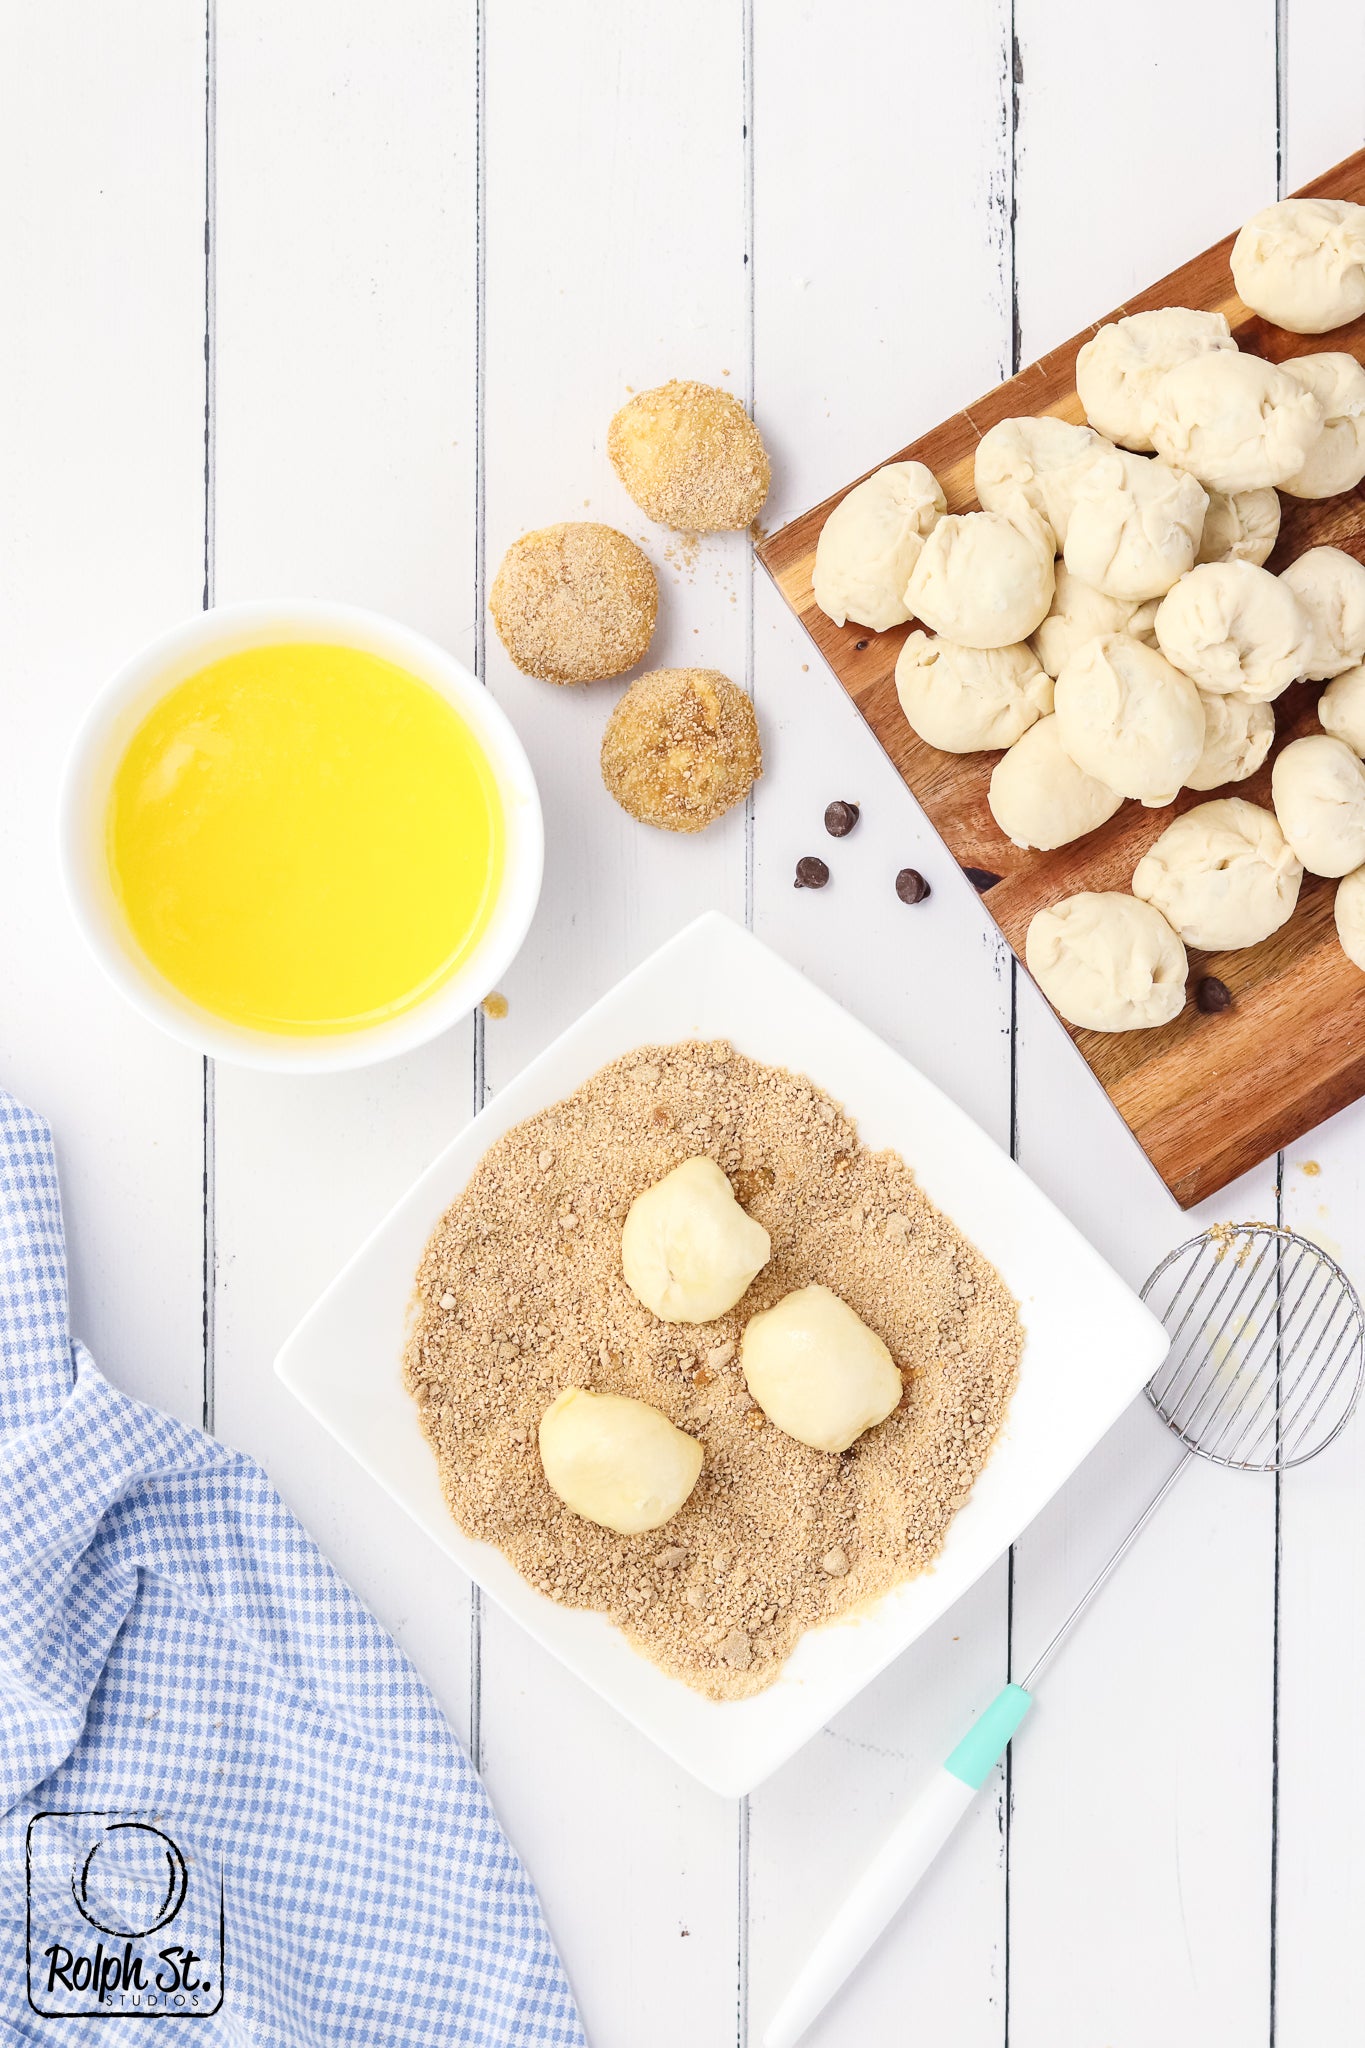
x: 911, y: 886
x: 981, y: 879
x: 840, y: 818
x: 860, y: 645
x: 1213, y: 995
x: 811, y: 872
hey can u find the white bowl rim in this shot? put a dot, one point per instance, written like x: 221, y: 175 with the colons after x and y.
x: 266, y: 621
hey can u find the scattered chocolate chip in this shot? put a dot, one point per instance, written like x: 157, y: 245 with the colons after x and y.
x: 911, y: 886
x: 811, y: 872
x: 840, y: 818
x: 1212, y: 995
x: 981, y: 879
x: 860, y: 644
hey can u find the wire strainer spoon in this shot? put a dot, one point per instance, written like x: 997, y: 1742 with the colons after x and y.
x: 1264, y: 1369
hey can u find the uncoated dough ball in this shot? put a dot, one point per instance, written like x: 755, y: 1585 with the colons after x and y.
x: 1120, y: 366
x: 1238, y: 735
x: 1037, y: 467
x: 690, y: 457
x: 1240, y: 526
x: 1134, y: 538
x: 688, y: 1251
x: 1301, y: 263
x: 981, y: 580
x: 616, y: 1462
x: 1129, y: 719
x: 1221, y: 875
x: 1230, y: 626
x: 871, y: 542
x: 575, y: 603
x: 1336, y: 461
x: 1318, y: 788
x: 817, y: 1371
x: 1107, y: 962
x: 681, y: 748
x: 1330, y: 585
x: 1349, y: 911
x: 1080, y: 612
x: 1040, y: 798
x: 1341, y: 708
x: 968, y: 699
x: 1234, y: 421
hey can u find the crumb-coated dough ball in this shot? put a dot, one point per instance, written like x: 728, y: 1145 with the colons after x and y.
x: 1040, y: 798
x: 1341, y: 708
x: 681, y: 748
x: 1235, y: 421
x: 817, y: 1371
x: 1330, y: 585
x: 1129, y: 718
x: 1107, y: 962
x: 574, y: 603
x: 1240, y: 526
x: 1317, y: 786
x: 1222, y: 875
x: 981, y: 580
x: 1133, y: 538
x: 871, y: 542
x: 688, y: 1250
x: 690, y: 457
x: 615, y: 1461
x: 1120, y: 366
x: 1336, y: 460
x: 966, y: 700
x: 1037, y: 467
x: 1238, y: 734
x: 1232, y: 627
x: 1349, y: 911
x: 1080, y: 612
x: 1301, y: 263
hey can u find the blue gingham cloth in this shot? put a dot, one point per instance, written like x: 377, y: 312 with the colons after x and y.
x: 173, y: 1648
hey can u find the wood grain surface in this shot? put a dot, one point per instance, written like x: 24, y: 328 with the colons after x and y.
x: 1206, y: 1097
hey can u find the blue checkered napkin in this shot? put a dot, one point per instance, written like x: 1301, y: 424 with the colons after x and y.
x: 174, y: 1648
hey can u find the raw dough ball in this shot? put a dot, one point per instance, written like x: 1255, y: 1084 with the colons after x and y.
x: 1301, y: 263
x: 1120, y: 366
x: 1037, y: 467
x: 573, y: 603
x: 1230, y: 626
x: 687, y: 1248
x: 1080, y: 612
x: 1134, y: 538
x: 967, y: 699
x: 981, y: 580
x: 1341, y: 708
x: 1234, y: 421
x: 1039, y: 797
x: 817, y: 1371
x: 1107, y: 962
x: 681, y: 748
x: 870, y: 543
x: 690, y: 457
x: 1129, y: 719
x: 1238, y: 735
x: 1330, y: 585
x: 616, y: 1462
x: 1336, y: 461
x: 1221, y: 875
x: 1240, y: 526
x: 1318, y: 788
x: 1349, y: 910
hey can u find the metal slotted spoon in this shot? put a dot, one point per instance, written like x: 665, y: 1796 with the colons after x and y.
x: 1264, y: 1369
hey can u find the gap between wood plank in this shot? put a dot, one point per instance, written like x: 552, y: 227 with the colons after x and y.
x: 1010, y: 252
x: 210, y: 1132
x: 750, y: 843
x: 480, y: 1074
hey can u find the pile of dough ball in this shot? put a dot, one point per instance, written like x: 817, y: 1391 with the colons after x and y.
x: 690, y: 1253
x: 1107, y: 620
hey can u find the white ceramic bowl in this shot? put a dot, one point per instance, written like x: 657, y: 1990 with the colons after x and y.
x: 99, y: 746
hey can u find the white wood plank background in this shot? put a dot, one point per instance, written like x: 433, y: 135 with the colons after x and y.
x: 336, y: 299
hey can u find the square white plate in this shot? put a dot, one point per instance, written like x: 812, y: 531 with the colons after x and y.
x: 1090, y: 1344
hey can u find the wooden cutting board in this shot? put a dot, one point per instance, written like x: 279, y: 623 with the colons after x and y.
x: 1207, y: 1097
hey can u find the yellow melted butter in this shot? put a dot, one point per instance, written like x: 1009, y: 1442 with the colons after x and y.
x: 305, y: 838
